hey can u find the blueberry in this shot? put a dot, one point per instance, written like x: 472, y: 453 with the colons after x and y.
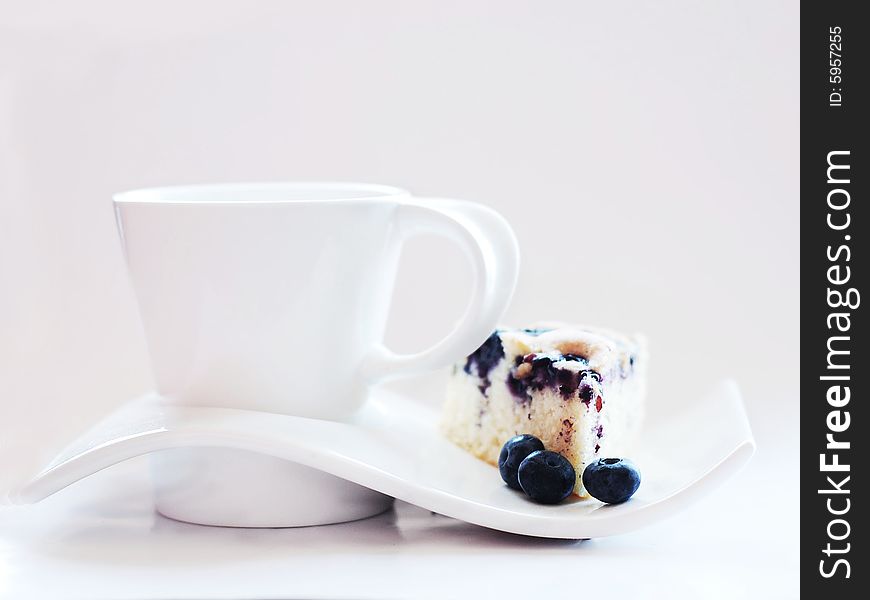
x: 484, y: 360
x: 535, y: 331
x: 611, y: 480
x: 543, y: 374
x: 487, y: 356
x: 514, y: 451
x: 547, y: 477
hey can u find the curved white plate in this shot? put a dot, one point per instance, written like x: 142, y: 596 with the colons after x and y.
x: 394, y: 447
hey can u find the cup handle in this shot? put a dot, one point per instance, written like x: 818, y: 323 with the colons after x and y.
x: 490, y: 244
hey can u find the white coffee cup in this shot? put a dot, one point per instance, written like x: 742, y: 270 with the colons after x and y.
x: 274, y: 297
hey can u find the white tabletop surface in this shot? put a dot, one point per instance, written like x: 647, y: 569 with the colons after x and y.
x: 589, y: 126
x: 100, y: 538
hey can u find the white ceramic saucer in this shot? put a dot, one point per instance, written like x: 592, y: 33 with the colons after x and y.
x: 394, y: 448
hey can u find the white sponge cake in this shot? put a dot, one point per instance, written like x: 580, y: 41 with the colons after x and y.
x: 579, y: 389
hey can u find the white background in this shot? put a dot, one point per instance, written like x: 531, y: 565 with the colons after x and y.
x: 645, y: 152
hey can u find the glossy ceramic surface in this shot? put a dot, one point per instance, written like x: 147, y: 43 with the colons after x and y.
x: 274, y: 297
x: 394, y: 448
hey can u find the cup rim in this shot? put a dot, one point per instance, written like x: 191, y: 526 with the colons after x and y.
x: 319, y: 191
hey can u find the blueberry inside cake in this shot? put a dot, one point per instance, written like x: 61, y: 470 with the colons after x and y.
x: 579, y: 389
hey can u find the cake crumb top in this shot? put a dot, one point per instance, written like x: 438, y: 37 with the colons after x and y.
x: 601, y: 350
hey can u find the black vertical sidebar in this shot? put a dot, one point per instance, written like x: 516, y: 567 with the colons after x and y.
x: 835, y: 223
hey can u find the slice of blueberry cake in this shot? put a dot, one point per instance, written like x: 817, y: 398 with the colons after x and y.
x: 579, y: 389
